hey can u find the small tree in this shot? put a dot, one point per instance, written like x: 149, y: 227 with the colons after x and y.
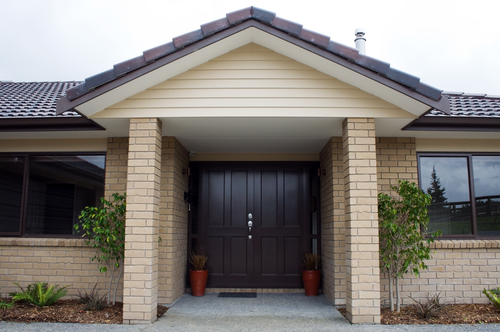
x: 435, y: 190
x: 403, y: 242
x: 104, y: 228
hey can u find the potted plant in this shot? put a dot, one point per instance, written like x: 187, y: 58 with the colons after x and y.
x: 198, y: 274
x: 311, y: 275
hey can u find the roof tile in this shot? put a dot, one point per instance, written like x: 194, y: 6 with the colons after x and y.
x: 188, y: 38
x: 314, y: 38
x: 343, y: 50
x: 290, y: 27
x: 263, y: 15
x: 214, y: 26
x: 33, y: 99
x: 158, y: 52
x: 403, y: 78
x: 100, y: 79
x: 129, y: 65
x: 429, y: 91
x: 366, y: 61
x: 77, y: 91
x: 239, y: 15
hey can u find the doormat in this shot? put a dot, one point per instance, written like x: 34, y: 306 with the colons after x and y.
x: 229, y: 294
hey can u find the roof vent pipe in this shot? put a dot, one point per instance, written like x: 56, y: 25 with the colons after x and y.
x: 360, y: 40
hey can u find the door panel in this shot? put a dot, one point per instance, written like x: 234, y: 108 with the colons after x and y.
x: 277, y: 195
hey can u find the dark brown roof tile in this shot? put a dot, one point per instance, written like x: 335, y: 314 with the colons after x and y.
x: 263, y: 15
x: 344, y: 51
x: 77, y: 91
x: 188, y: 38
x: 158, y: 52
x: 289, y: 27
x: 239, y: 15
x: 403, y: 78
x: 214, y: 26
x: 100, y: 79
x: 314, y: 38
x: 428, y: 91
x: 378, y: 66
x: 129, y: 65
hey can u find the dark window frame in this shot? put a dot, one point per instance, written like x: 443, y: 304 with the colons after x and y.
x: 472, y: 196
x: 24, y: 201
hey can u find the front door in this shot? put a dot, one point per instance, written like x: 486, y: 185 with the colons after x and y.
x: 254, y: 222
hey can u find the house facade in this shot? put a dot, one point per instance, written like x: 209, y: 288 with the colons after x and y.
x: 258, y: 141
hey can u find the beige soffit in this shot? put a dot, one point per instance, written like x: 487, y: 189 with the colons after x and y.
x: 251, y: 35
x: 55, y: 145
x: 457, y: 145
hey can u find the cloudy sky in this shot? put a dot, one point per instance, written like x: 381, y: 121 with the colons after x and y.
x: 452, y: 45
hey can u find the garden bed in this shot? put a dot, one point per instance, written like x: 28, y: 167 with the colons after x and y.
x: 450, y: 314
x: 66, y: 311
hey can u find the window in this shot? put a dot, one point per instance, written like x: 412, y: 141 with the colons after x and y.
x: 465, y: 191
x: 44, y: 194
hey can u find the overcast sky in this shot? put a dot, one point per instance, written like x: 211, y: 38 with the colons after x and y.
x: 451, y: 45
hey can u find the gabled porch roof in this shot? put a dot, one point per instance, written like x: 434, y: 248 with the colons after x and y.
x: 252, y: 25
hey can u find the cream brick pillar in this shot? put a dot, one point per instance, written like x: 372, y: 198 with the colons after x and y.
x: 140, y: 283
x: 362, y: 243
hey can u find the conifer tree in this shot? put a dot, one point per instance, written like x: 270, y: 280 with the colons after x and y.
x: 435, y: 190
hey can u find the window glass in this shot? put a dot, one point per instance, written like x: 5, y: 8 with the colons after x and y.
x: 59, y: 188
x: 11, y: 190
x: 446, y: 180
x: 487, y: 193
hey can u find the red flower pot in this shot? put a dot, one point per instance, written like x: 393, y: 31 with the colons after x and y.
x: 311, y: 280
x: 198, y: 281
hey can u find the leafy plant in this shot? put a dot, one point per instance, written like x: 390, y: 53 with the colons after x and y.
x: 104, y: 228
x: 6, y: 305
x: 198, y: 259
x: 311, y: 261
x: 428, y: 308
x: 403, y: 222
x: 492, y: 295
x: 92, y: 300
x: 39, y: 294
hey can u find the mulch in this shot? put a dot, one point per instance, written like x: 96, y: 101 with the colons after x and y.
x: 66, y: 311
x: 450, y: 314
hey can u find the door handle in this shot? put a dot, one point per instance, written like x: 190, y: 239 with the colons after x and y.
x: 250, y: 223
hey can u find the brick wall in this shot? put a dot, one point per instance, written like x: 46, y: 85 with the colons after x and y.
x: 55, y: 261
x: 116, y: 166
x: 361, y: 221
x: 332, y: 221
x: 173, y: 221
x: 140, y: 279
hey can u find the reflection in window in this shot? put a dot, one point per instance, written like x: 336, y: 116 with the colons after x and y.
x: 446, y: 180
x: 11, y: 189
x: 58, y: 188
x: 487, y: 194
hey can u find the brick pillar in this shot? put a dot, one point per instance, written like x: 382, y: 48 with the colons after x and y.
x: 140, y: 283
x: 362, y: 243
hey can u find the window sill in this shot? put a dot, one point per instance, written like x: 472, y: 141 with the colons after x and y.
x: 465, y: 244
x: 42, y: 242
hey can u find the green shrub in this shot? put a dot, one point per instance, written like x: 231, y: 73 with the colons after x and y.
x: 39, y: 294
x: 428, y: 308
x: 492, y: 296
x: 6, y: 305
x: 92, y: 300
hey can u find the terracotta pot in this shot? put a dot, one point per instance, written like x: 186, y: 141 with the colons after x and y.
x: 198, y: 281
x: 311, y: 280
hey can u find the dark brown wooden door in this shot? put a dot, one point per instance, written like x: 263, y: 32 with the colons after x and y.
x: 277, y: 197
